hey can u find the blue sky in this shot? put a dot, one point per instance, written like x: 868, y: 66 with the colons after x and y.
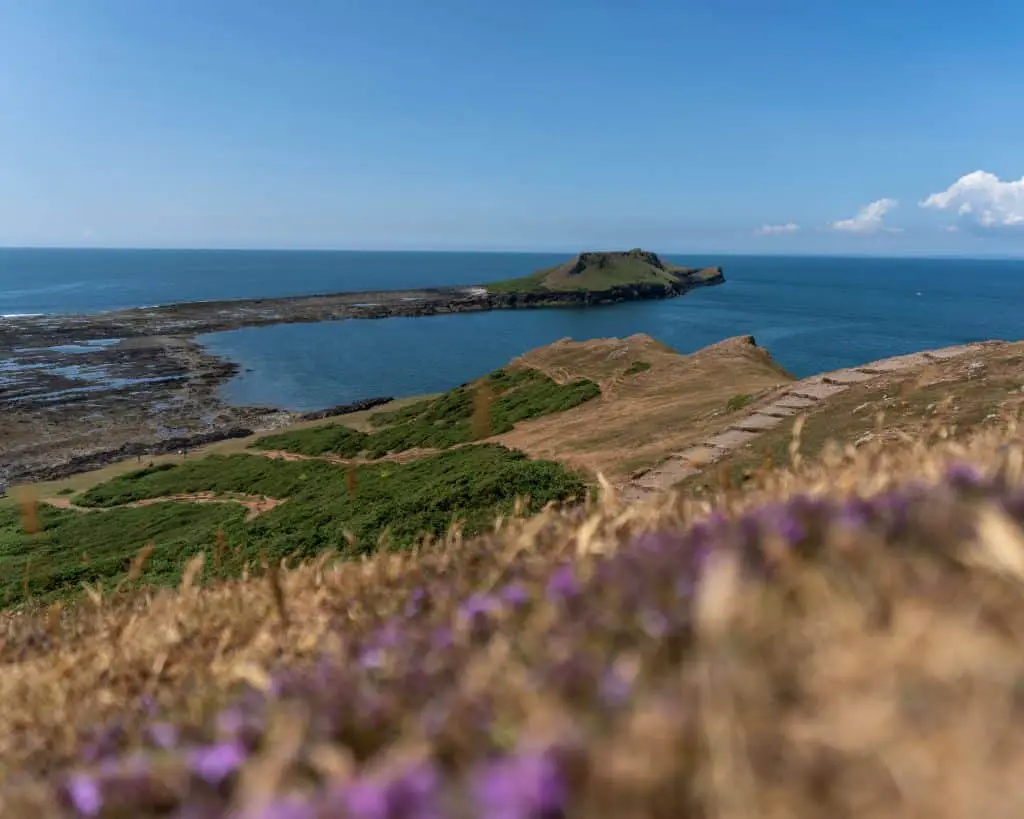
x: 797, y: 126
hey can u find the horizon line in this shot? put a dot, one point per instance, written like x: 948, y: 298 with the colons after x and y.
x: 925, y: 255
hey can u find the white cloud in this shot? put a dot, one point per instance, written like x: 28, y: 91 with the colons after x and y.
x: 982, y: 199
x: 775, y: 230
x: 868, y: 218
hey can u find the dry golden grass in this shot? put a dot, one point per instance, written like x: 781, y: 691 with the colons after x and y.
x: 864, y: 678
x: 640, y: 419
x: 956, y: 397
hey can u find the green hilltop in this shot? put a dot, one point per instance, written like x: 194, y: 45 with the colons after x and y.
x: 604, y: 270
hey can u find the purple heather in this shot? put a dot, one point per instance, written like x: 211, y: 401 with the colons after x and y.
x: 515, y: 593
x: 84, y: 793
x: 524, y: 786
x: 163, y: 734
x: 563, y: 583
x: 217, y: 762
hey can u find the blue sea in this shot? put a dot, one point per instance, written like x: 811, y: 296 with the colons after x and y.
x: 811, y: 313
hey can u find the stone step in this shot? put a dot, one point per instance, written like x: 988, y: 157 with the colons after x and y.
x: 731, y: 439
x: 846, y: 377
x: 946, y: 353
x: 896, y: 364
x: 633, y: 494
x: 779, y: 411
x: 818, y: 391
x: 674, y: 469
x: 698, y: 456
x: 792, y: 401
x: 757, y: 423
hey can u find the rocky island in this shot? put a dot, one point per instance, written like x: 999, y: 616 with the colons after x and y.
x: 81, y: 390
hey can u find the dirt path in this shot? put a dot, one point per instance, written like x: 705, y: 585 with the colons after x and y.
x: 795, y: 399
x: 254, y: 504
x: 395, y: 457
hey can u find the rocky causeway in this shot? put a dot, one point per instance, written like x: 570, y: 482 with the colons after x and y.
x: 78, y: 391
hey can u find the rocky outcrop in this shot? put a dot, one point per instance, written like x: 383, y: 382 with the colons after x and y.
x: 600, y: 259
x: 685, y: 281
x: 345, y: 409
x: 98, y: 460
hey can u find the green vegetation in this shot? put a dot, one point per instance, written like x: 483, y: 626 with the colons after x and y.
x: 738, y: 402
x: 600, y: 271
x: 73, y: 547
x: 637, y: 367
x: 517, y: 395
x: 324, y: 505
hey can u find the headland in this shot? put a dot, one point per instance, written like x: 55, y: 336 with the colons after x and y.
x: 81, y: 390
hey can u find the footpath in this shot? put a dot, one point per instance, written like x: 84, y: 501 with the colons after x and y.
x: 796, y: 398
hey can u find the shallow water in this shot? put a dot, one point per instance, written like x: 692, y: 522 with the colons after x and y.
x: 812, y: 313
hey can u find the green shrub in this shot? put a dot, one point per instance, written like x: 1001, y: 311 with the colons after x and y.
x: 471, y: 484
x: 738, y: 402
x: 440, y: 423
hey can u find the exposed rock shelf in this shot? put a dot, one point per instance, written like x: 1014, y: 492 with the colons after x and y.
x: 194, y: 318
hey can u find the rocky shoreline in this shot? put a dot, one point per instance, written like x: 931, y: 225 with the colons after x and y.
x: 80, y: 391
x: 190, y: 319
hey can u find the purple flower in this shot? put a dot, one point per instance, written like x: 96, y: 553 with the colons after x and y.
x: 84, y: 794
x: 563, y: 583
x: 230, y: 721
x: 515, y: 593
x: 285, y: 809
x: 655, y: 542
x: 853, y: 514
x: 365, y: 800
x: 615, y: 688
x: 163, y: 734
x: 390, y: 634
x: 413, y: 794
x: 442, y: 637
x: 372, y: 658
x: 479, y: 604
x: 791, y: 529
x: 217, y: 762
x: 414, y: 604
x: 963, y: 475
x: 654, y: 623
x: 525, y: 786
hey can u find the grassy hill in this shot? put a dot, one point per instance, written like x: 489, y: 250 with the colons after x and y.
x: 841, y: 639
x: 320, y: 486
x: 942, y: 400
x: 456, y: 417
x: 599, y: 271
x: 540, y: 428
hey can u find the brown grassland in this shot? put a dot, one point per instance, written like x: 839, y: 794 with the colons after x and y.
x: 642, y: 418
x: 838, y: 632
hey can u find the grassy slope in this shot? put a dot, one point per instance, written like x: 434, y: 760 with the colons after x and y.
x: 324, y: 505
x: 452, y: 418
x: 645, y: 413
x: 852, y: 666
x: 950, y: 395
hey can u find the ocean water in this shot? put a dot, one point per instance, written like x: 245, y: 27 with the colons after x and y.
x: 812, y: 313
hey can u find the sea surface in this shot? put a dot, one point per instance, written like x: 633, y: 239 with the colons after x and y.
x: 812, y: 313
